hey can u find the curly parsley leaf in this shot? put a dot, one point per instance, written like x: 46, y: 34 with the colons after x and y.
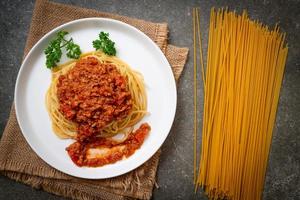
x: 105, y: 44
x: 61, y: 35
x: 53, y: 53
x: 54, y: 50
x: 73, y: 50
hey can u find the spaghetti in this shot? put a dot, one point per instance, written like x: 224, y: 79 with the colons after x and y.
x: 65, y: 128
x: 245, y: 67
x: 195, y: 95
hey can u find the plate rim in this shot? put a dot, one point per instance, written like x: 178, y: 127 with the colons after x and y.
x: 22, y: 68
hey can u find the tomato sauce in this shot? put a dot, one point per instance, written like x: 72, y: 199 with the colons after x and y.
x: 93, y: 94
x: 102, y: 151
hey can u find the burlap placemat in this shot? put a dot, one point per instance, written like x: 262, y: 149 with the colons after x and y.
x: 19, y: 162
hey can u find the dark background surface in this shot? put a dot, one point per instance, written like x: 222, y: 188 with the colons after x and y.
x: 175, y: 169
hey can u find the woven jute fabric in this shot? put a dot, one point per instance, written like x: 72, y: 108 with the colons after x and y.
x: 19, y: 162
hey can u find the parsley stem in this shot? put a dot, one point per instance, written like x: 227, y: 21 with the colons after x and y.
x: 66, y: 42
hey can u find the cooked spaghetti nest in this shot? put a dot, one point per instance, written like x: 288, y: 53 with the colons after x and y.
x: 65, y: 128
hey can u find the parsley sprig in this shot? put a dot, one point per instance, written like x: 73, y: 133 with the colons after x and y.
x: 54, y: 50
x: 105, y: 44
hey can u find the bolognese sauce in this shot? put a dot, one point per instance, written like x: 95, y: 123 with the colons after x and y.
x: 93, y: 94
x: 101, y: 151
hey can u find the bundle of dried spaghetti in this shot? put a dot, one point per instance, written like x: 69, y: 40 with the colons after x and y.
x: 245, y: 66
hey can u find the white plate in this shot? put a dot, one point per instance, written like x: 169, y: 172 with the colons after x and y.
x: 133, y: 47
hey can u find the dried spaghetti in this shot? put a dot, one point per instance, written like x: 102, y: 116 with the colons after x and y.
x: 245, y: 67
